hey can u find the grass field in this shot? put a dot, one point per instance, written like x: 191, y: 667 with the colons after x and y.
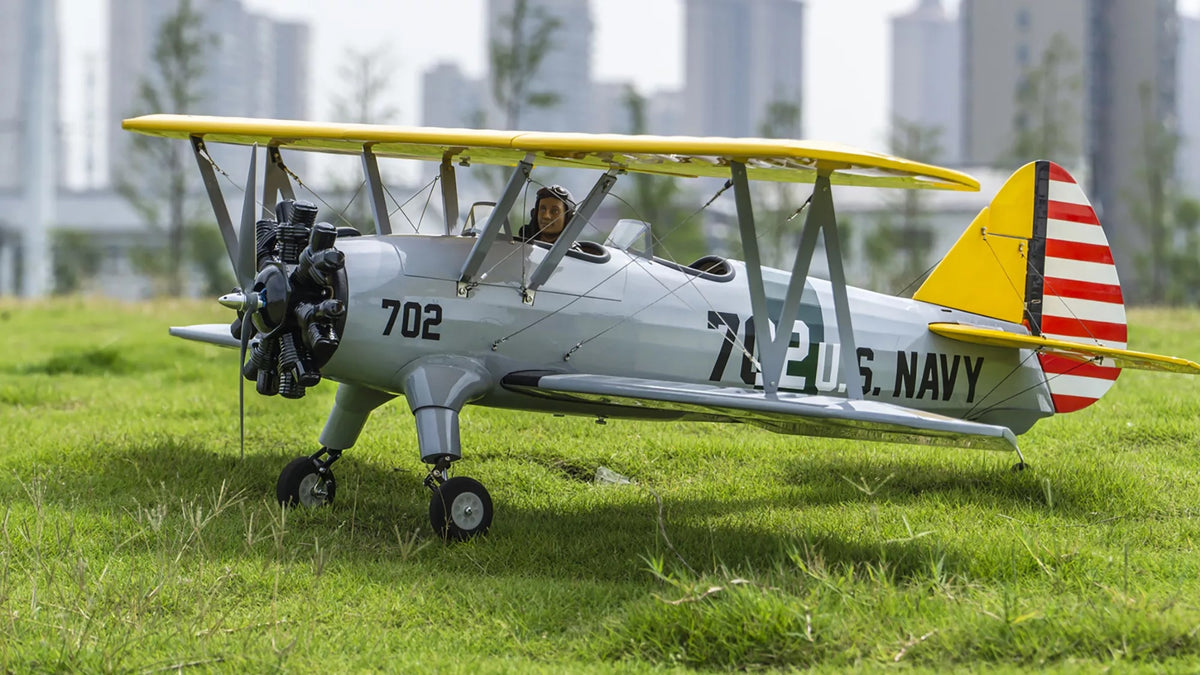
x: 134, y: 538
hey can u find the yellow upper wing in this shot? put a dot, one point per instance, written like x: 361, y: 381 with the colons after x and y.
x: 765, y: 159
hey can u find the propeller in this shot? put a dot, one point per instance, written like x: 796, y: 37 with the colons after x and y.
x: 247, y: 264
x: 292, y: 298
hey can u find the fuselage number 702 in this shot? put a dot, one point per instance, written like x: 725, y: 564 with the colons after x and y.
x: 415, y: 320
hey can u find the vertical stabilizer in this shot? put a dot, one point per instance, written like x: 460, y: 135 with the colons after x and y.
x: 1038, y: 256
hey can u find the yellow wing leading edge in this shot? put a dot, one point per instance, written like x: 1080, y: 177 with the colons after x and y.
x: 779, y: 160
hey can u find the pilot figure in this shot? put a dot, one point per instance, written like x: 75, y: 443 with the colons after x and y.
x: 551, y: 212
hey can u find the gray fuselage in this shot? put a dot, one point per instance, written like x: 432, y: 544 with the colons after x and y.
x: 626, y: 315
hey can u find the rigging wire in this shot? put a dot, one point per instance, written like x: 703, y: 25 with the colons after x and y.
x: 517, y: 249
x: 689, y: 279
x: 400, y: 205
x: 622, y: 268
x: 339, y: 213
x: 1045, y: 380
x: 919, y: 277
x: 970, y: 414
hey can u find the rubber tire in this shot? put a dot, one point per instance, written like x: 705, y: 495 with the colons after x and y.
x: 300, y: 476
x: 452, y: 497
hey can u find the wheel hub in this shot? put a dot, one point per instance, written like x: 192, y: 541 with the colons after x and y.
x: 313, y: 491
x: 467, y: 511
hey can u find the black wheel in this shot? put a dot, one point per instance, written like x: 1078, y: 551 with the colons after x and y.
x: 1019, y: 467
x: 301, y: 484
x: 461, y: 508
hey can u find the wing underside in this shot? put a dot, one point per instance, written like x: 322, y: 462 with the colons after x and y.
x: 782, y: 160
x: 822, y: 416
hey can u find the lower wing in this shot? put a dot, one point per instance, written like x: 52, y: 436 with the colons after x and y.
x: 210, y: 333
x: 824, y: 416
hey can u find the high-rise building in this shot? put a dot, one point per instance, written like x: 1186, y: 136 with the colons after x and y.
x: 1003, y: 40
x: 30, y: 137
x: 610, y: 109
x: 565, y: 70
x: 1131, y: 87
x: 1188, y: 79
x: 15, y: 88
x: 1122, y: 54
x: 451, y: 99
x: 740, y: 56
x: 253, y: 66
x: 11, y: 52
x: 926, y: 74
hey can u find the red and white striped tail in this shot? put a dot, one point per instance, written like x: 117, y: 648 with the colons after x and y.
x: 1074, y: 278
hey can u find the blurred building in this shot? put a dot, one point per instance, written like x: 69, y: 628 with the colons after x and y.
x: 31, y: 140
x: 740, y: 56
x: 1122, y: 53
x: 565, y: 70
x: 451, y: 99
x: 1132, y: 88
x: 15, y: 45
x: 1188, y: 93
x: 254, y: 66
x: 1003, y: 40
x: 610, y: 108
x: 926, y: 82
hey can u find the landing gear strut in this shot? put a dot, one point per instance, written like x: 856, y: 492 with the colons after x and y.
x: 461, y: 507
x: 308, y: 481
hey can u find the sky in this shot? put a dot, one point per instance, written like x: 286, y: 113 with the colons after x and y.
x: 846, y: 47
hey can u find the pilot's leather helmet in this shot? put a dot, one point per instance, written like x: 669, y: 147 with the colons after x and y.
x: 558, y: 192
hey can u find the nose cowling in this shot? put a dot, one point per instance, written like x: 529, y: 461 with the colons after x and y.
x: 297, y: 304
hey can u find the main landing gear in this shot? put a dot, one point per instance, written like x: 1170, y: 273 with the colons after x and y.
x: 459, y: 509
x: 436, y: 389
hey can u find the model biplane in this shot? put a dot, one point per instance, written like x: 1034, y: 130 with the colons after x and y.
x: 1022, y: 319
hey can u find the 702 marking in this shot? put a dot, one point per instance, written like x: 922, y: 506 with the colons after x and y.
x: 415, y: 320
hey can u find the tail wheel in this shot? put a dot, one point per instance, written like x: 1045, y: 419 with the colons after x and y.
x: 461, y: 509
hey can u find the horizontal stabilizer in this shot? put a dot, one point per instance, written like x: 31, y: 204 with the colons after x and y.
x: 1121, y: 358
x: 823, y: 416
x: 212, y: 333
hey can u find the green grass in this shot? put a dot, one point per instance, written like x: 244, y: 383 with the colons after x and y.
x: 134, y: 538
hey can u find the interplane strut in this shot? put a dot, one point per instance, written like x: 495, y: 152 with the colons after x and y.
x: 773, y: 345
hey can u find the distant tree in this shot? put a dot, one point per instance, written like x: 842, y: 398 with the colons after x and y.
x: 657, y: 199
x: 1167, y: 270
x: 154, y: 180
x: 77, y: 256
x: 520, y: 44
x: 1184, y: 258
x: 367, y: 77
x: 897, y: 249
x: 1047, y: 112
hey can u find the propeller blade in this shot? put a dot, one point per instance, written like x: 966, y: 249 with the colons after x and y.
x: 247, y: 253
x: 242, y: 385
